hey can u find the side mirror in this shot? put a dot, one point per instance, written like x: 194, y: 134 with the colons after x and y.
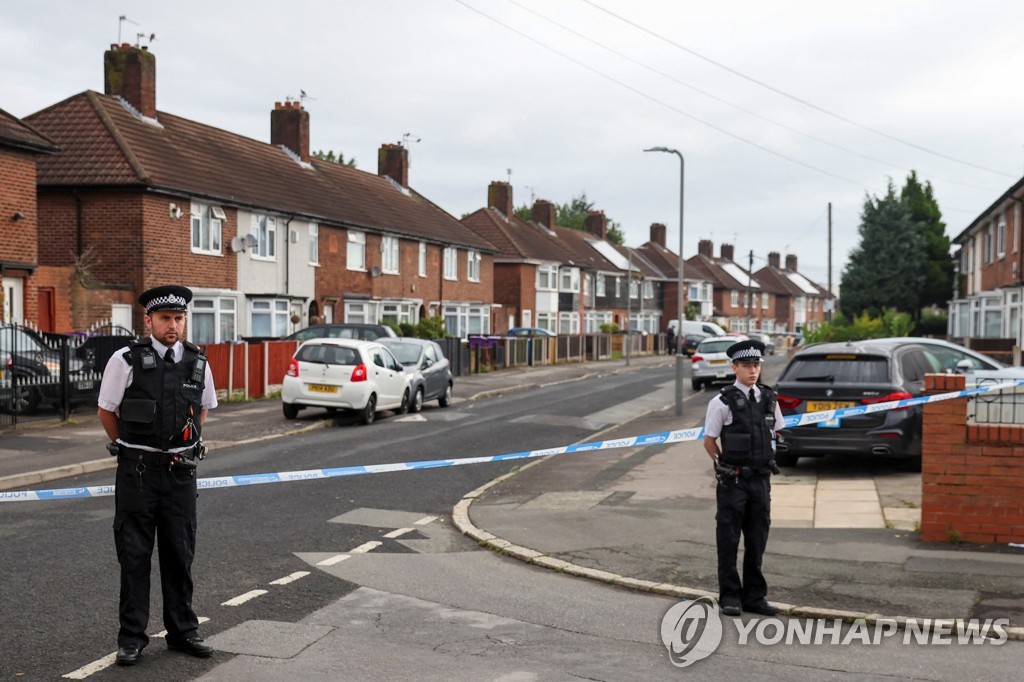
x: 964, y: 366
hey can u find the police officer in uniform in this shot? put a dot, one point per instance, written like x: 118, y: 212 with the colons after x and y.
x: 745, y: 416
x: 153, y: 402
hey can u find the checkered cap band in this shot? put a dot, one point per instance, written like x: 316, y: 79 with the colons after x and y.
x: 747, y: 354
x: 169, y: 299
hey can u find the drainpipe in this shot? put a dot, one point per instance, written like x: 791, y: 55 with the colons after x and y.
x: 78, y: 221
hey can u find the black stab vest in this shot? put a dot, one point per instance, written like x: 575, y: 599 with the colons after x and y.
x: 160, y: 402
x: 747, y: 441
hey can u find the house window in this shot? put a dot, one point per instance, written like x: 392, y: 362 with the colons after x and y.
x: 473, y: 266
x: 568, y: 323
x: 213, y: 320
x: 694, y: 292
x: 764, y: 301
x: 314, y: 244
x: 618, y: 287
x: 355, y: 313
x: 634, y: 288
x: 206, y: 229
x: 463, y: 320
x: 734, y: 299
x: 547, y: 277
x: 269, y: 317
x: 389, y: 255
x: 648, y: 289
x: 451, y: 263
x: 356, y: 255
x: 1001, y: 237
x: 587, y: 296
x: 570, y: 280
x: 600, y: 285
x: 989, y: 246
x: 397, y: 313
x: 423, y: 259
x: 546, y: 321
x: 264, y: 228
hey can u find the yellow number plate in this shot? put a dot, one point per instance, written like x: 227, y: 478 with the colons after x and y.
x: 823, y: 405
x: 321, y: 388
x: 717, y: 362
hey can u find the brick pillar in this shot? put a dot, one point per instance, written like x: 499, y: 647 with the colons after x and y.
x: 944, y: 459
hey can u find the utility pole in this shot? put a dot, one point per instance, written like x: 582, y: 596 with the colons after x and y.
x: 629, y: 306
x: 829, y: 302
x: 750, y: 276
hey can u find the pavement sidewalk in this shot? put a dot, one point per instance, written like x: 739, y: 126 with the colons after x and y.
x: 841, y: 545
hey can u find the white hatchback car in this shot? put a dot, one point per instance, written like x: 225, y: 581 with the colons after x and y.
x: 345, y: 374
x: 710, y: 362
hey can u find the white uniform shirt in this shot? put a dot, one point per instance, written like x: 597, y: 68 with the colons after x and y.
x: 117, y: 376
x: 720, y: 415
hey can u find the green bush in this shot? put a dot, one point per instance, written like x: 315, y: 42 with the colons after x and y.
x: 609, y: 328
x: 863, y: 326
x: 431, y: 328
x: 407, y: 329
x: 932, y: 323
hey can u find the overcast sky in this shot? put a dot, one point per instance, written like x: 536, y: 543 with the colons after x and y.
x: 770, y: 102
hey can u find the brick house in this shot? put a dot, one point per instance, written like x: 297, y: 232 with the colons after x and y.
x: 266, y: 236
x: 696, y: 290
x: 738, y: 300
x: 20, y: 147
x: 797, y: 302
x: 989, y: 287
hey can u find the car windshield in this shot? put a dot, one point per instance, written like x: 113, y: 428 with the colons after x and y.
x: 328, y: 355
x: 850, y: 369
x: 715, y: 346
x: 405, y: 353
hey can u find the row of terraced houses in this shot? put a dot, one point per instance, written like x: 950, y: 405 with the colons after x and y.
x: 105, y: 196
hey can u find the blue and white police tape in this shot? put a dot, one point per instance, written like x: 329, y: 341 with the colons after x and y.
x: 662, y: 438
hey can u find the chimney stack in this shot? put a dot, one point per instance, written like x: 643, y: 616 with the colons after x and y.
x: 289, y: 127
x: 726, y: 251
x: 773, y: 259
x: 393, y: 162
x: 597, y: 224
x: 706, y: 247
x: 130, y: 73
x: 791, y: 262
x: 499, y: 196
x: 658, y: 234
x: 544, y: 213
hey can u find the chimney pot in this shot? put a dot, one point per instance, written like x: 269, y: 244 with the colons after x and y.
x: 773, y: 259
x: 706, y: 247
x: 726, y: 251
x: 658, y: 234
x: 393, y: 162
x: 290, y: 128
x: 597, y: 224
x: 130, y: 73
x: 791, y: 262
x: 499, y: 196
x: 544, y: 213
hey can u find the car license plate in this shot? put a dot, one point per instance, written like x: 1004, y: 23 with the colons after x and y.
x: 716, y: 362
x: 823, y: 405
x: 85, y: 385
x: 321, y: 388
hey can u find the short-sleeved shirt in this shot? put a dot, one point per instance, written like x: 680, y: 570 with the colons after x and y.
x: 720, y: 415
x: 117, y: 376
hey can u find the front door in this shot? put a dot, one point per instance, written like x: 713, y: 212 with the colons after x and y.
x: 13, y: 299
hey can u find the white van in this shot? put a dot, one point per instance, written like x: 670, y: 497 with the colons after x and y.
x: 697, y: 327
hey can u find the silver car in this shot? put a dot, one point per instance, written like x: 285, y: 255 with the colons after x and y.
x: 711, y: 364
x: 430, y: 370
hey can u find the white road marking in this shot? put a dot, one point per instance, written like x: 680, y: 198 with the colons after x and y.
x: 366, y: 547
x: 290, y: 578
x: 242, y: 598
x: 336, y: 559
x: 109, y: 659
x: 400, y: 531
x: 425, y: 520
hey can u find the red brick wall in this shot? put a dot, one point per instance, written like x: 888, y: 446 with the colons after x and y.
x: 18, y: 180
x: 1000, y: 271
x: 972, y: 476
x: 515, y: 288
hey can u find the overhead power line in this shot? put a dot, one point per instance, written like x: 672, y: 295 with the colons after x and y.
x: 787, y: 95
x: 661, y: 102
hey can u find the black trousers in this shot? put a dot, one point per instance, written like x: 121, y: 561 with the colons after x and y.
x: 155, y: 504
x: 744, y: 506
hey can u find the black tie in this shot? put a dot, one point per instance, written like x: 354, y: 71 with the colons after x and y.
x: 169, y: 356
x: 751, y: 396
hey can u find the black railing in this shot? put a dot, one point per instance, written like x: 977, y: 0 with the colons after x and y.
x: 997, y: 407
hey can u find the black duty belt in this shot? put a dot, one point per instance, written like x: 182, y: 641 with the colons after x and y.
x: 151, y: 458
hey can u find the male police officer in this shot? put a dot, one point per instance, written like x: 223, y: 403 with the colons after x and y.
x: 153, y: 402
x: 746, y: 416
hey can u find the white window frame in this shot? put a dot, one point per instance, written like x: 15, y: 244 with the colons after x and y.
x: 264, y: 228
x: 989, y: 243
x: 200, y: 216
x: 648, y: 289
x: 389, y: 260
x: 764, y: 301
x: 634, y: 288
x: 278, y: 310
x: 568, y: 323
x: 451, y: 263
x: 1001, y: 237
x: 225, y: 318
x: 546, y: 320
x: 314, y: 244
x: 569, y: 280
x: 547, y: 278
x: 734, y: 299
x: 473, y: 265
x: 600, y: 285
x: 355, y: 252
x: 423, y: 259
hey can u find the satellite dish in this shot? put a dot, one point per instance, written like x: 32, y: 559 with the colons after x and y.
x: 375, y: 271
x: 250, y: 240
x: 237, y: 244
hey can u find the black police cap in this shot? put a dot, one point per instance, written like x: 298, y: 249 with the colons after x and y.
x: 169, y: 297
x: 746, y: 351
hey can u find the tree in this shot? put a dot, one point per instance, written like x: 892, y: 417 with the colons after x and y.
x: 924, y: 210
x: 574, y: 216
x: 887, y: 269
x: 339, y: 159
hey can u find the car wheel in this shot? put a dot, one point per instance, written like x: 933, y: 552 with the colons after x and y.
x: 417, y: 401
x: 25, y: 399
x: 786, y: 459
x: 370, y: 411
x: 446, y: 398
x: 695, y: 384
x: 290, y: 411
x: 404, y: 407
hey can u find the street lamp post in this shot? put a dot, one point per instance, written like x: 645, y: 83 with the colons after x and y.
x: 682, y: 291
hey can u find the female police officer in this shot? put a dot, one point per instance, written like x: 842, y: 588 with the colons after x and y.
x: 746, y: 415
x: 153, y: 402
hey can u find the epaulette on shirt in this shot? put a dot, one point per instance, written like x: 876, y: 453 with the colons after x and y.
x: 192, y: 347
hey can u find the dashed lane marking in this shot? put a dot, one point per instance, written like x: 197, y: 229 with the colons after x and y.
x: 366, y: 547
x: 290, y: 578
x: 425, y: 520
x: 242, y: 598
x: 336, y: 559
x: 108, y: 660
x: 399, y: 532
